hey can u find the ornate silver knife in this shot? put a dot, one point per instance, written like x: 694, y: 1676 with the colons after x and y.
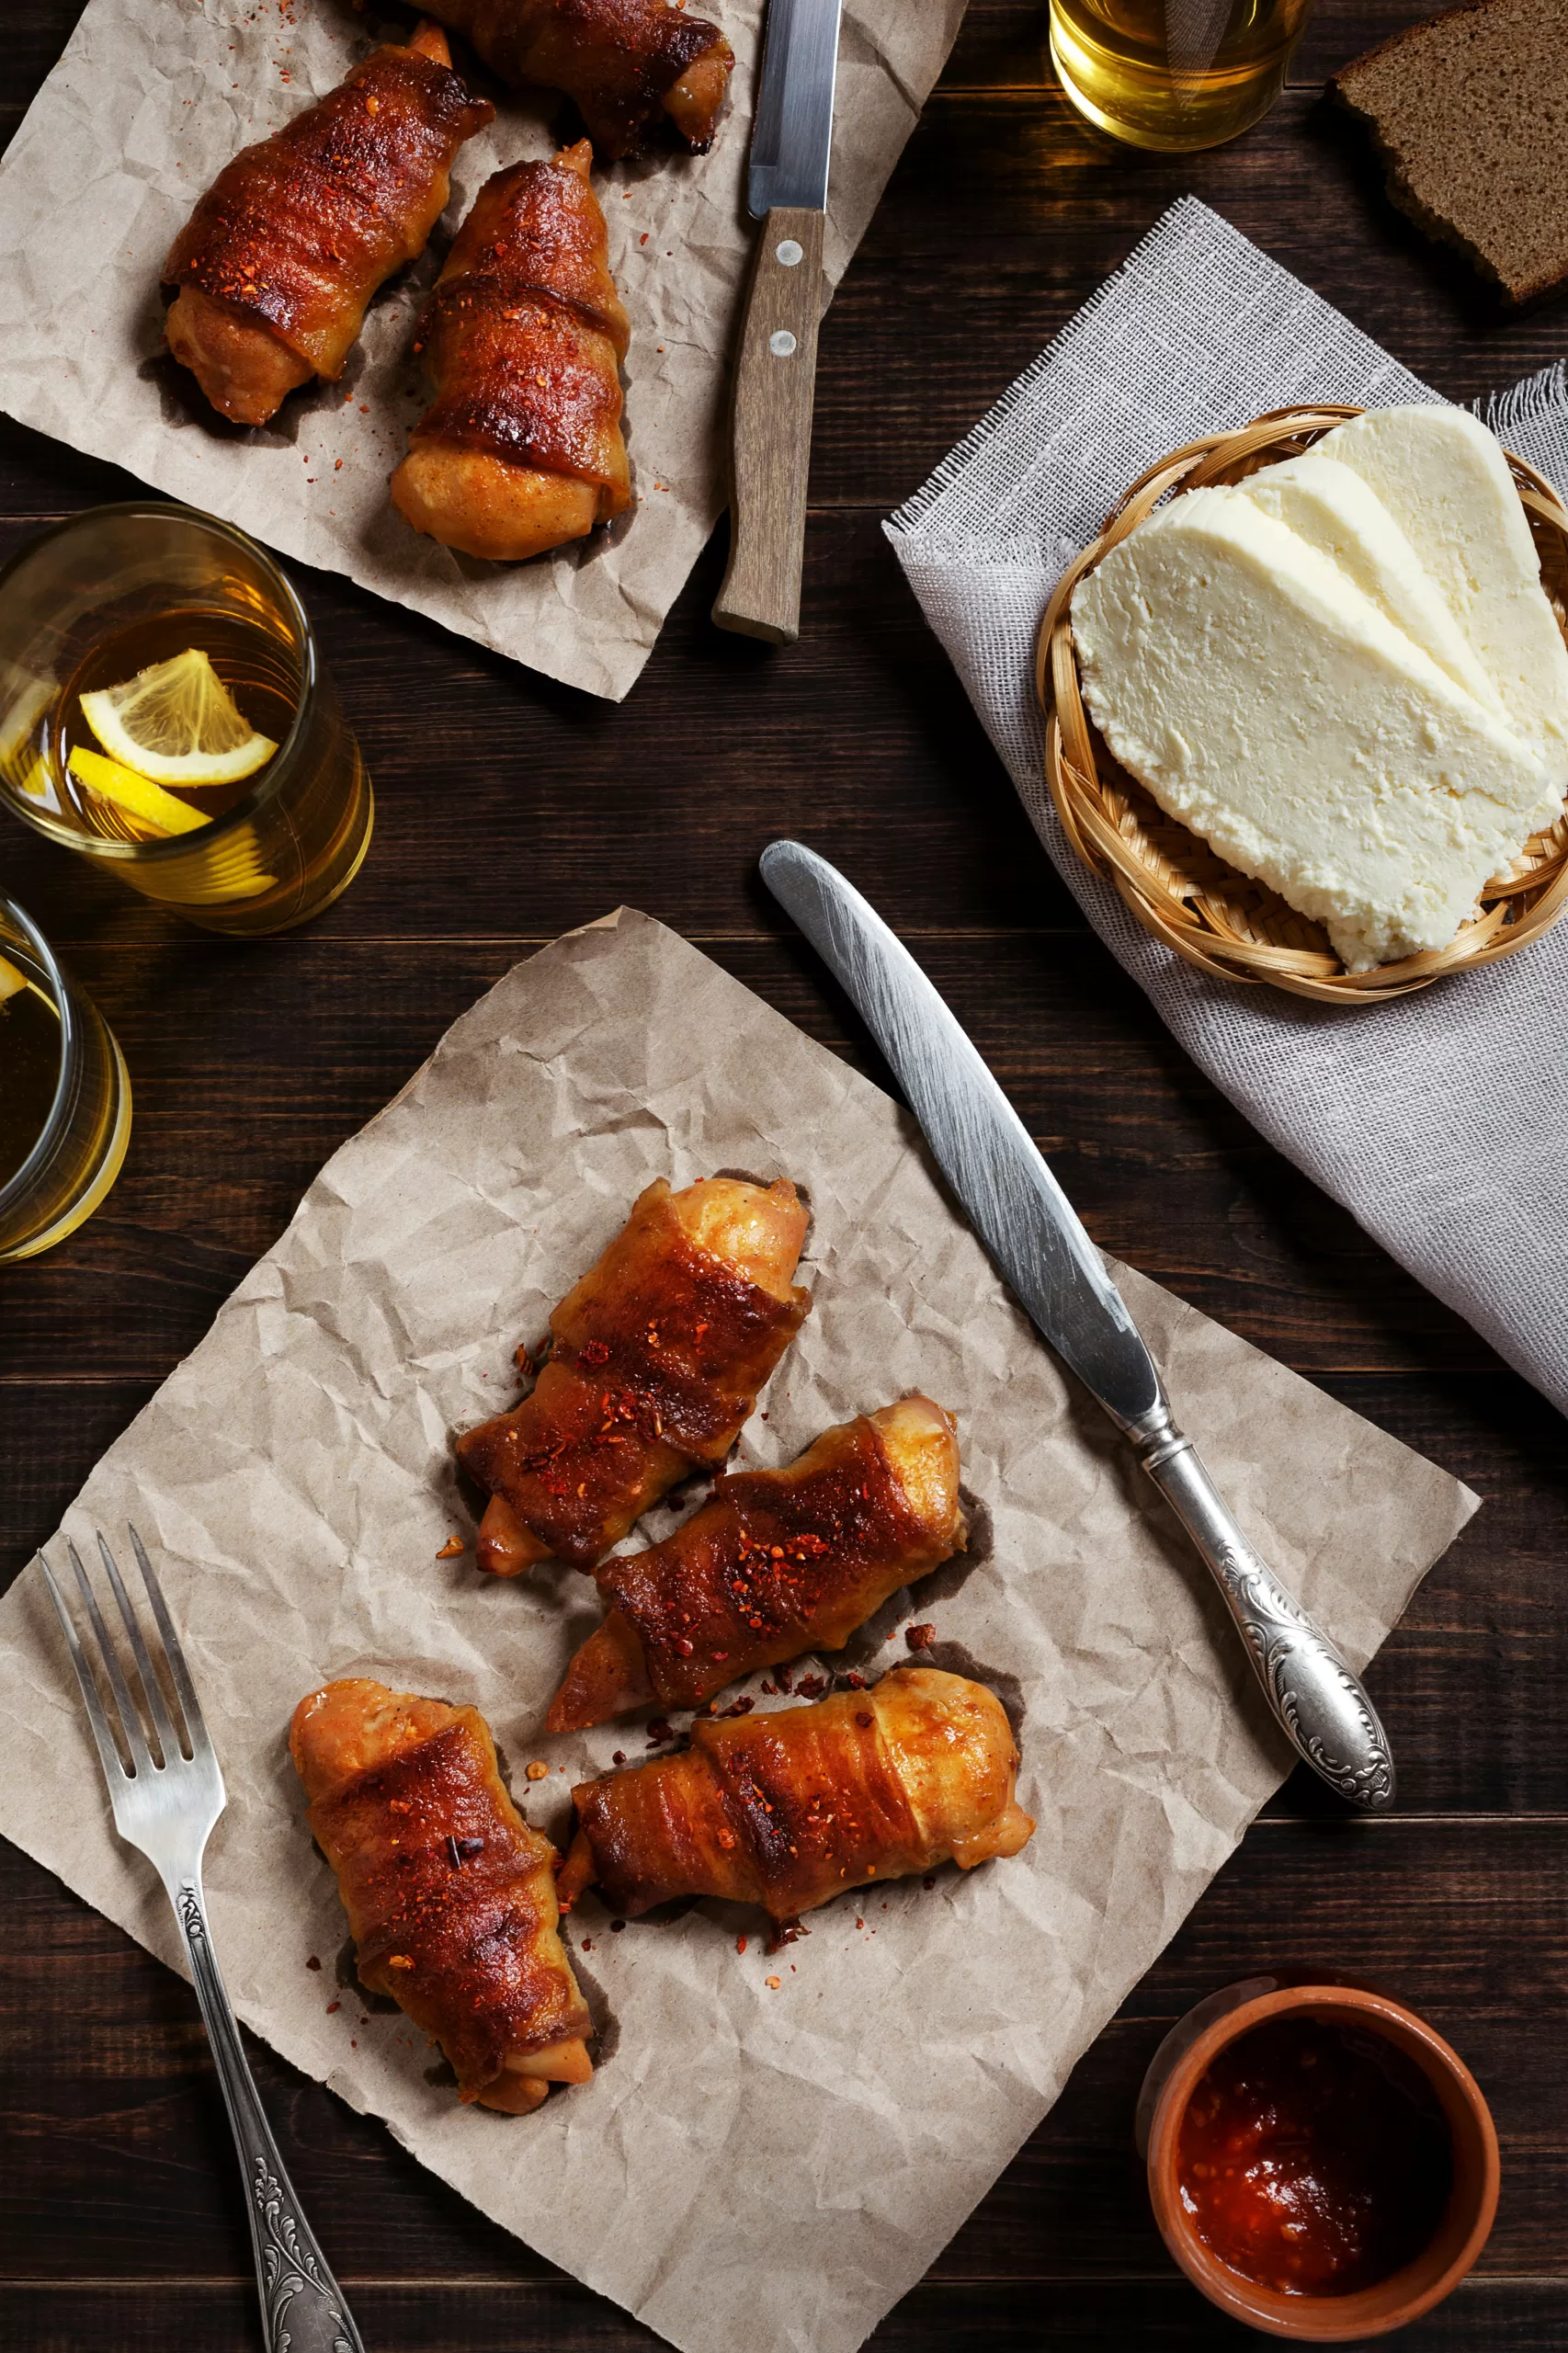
x: 1032, y: 1233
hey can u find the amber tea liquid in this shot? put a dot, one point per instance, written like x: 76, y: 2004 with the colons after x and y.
x: 1174, y: 74
x: 30, y: 1073
x: 293, y: 841
x: 64, y: 1104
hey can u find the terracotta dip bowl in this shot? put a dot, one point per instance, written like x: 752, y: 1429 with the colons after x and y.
x: 1413, y: 2092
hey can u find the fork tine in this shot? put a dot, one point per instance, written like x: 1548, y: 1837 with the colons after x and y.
x: 168, y: 1739
x: 108, y: 1754
x: 195, y: 1722
x: 135, y: 1739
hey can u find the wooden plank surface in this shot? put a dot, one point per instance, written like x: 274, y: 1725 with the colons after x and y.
x: 509, y: 808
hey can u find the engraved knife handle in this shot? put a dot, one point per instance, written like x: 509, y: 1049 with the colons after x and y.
x: 1320, y: 1704
x: 302, y: 2309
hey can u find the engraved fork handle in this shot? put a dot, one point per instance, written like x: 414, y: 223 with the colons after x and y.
x: 302, y: 2309
x: 1320, y: 1704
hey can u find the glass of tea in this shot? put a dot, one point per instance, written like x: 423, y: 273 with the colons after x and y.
x: 65, y: 1096
x: 1174, y: 73
x: 165, y: 711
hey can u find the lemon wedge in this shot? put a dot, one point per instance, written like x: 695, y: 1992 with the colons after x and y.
x: 176, y: 723
x: 10, y: 979
x: 133, y: 794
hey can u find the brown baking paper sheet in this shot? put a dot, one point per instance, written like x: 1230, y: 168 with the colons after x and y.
x: 747, y: 2167
x: 152, y: 97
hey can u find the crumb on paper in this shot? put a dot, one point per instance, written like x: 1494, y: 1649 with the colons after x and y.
x: 454, y: 1545
x: 774, y: 1983
x: 538, y: 1769
x: 920, y: 1637
x: 313, y: 1962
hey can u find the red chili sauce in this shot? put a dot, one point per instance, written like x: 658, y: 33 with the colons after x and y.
x: 1314, y: 2158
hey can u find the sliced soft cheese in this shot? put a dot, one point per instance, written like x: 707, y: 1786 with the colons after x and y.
x: 1268, y: 703
x: 1335, y: 511
x: 1443, y: 479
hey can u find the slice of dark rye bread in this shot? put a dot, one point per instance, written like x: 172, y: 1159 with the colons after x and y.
x: 1470, y: 114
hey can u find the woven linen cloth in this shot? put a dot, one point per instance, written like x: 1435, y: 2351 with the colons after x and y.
x: 1439, y: 1119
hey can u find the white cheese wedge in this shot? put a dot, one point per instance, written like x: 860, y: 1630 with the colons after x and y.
x: 1333, y: 510
x: 1443, y: 479
x: 1268, y: 704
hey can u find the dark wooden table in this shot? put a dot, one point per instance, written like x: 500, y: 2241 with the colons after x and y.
x: 510, y: 809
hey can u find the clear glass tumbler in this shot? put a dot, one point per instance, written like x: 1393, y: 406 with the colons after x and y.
x: 1175, y: 74
x: 117, y: 591
x: 65, y: 1096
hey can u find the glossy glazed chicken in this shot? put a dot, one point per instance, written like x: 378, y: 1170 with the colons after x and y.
x: 626, y: 63
x: 777, y: 1562
x: 658, y: 1356
x: 451, y: 1896
x: 788, y: 1809
x: 277, y: 264
x: 523, y: 338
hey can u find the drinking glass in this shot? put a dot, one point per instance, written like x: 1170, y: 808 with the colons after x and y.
x: 1174, y: 73
x: 117, y: 589
x: 65, y: 1096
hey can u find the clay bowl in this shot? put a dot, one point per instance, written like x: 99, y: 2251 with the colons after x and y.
x: 1405, y: 2295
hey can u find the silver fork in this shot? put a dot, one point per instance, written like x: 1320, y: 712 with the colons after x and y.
x: 165, y: 1802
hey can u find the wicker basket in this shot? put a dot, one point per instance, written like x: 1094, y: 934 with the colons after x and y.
x: 1178, y: 887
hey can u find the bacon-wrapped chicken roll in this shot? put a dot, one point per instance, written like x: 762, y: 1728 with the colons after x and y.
x: 777, y: 1562
x: 658, y: 1356
x: 277, y: 264
x: 624, y: 61
x: 451, y: 1896
x: 788, y: 1809
x: 523, y: 336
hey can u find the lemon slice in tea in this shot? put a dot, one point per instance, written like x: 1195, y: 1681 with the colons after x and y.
x: 10, y: 979
x: 178, y: 723
x: 135, y: 794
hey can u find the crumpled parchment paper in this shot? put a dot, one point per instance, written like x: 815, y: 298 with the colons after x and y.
x: 149, y: 101
x: 748, y: 2166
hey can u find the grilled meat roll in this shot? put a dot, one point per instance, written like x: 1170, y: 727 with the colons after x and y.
x: 624, y: 61
x: 451, y: 1896
x: 788, y: 1809
x: 777, y: 1562
x: 277, y: 264
x: 523, y: 336
x: 658, y: 1356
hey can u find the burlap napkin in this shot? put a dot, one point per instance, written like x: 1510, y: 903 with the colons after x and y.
x: 1439, y: 1119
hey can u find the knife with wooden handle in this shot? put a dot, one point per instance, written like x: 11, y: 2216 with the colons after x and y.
x: 776, y: 364
x: 1032, y: 1233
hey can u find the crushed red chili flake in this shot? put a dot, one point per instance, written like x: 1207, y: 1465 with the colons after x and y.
x: 859, y: 1923
x: 810, y: 1686
x: 771, y: 1690
x: 451, y: 1548
x: 332, y: 2006
x: 853, y: 1681
x: 587, y: 1945
x: 927, y: 1884
x: 740, y: 1944
x: 659, y: 1732
x: 785, y: 1683
x: 592, y: 1352
x: 786, y: 1932
x: 313, y: 1962
x: 521, y: 1357
x: 742, y: 1706
x: 619, y: 1756
x: 920, y: 1637
x: 616, y: 1926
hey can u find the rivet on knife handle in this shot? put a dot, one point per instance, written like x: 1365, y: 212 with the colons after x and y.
x: 770, y: 432
x: 1318, y: 1700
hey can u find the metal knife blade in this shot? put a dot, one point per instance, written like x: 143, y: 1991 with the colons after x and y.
x: 792, y: 133
x: 982, y: 1146
x: 1032, y: 1233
